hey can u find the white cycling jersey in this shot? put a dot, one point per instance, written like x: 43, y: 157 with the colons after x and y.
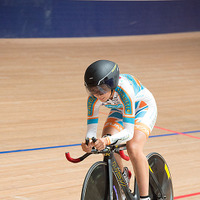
x: 133, y: 107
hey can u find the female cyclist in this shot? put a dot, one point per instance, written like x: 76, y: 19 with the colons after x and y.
x: 132, y: 116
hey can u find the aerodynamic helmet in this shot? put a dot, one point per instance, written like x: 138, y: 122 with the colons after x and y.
x: 101, y: 76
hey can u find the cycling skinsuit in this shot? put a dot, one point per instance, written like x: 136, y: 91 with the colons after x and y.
x: 133, y: 107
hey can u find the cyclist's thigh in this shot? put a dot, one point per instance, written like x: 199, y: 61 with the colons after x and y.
x: 114, y: 122
x: 145, y: 114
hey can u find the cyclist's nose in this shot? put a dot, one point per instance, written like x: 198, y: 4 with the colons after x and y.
x: 100, y: 97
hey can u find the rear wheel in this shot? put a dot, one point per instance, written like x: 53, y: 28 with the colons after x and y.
x: 160, y: 170
x: 96, y: 184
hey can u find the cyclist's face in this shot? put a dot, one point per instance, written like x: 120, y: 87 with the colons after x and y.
x: 103, y: 97
x: 101, y: 92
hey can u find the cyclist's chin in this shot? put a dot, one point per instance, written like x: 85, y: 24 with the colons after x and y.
x: 103, y: 99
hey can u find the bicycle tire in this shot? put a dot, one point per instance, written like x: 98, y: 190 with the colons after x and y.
x: 160, y: 169
x: 95, y: 185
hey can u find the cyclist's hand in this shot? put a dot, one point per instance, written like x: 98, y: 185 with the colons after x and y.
x: 87, y: 148
x: 101, y: 143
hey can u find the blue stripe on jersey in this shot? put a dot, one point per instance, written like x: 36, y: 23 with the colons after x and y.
x: 115, y: 110
x: 141, y: 110
x: 92, y: 121
x: 129, y: 120
x: 141, y: 114
x: 136, y: 104
x: 136, y: 87
x: 116, y: 115
x: 120, y: 122
x: 114, y: 106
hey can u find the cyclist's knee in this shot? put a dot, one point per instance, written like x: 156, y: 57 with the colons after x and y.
x: 135, y: 152
x: 136, y: 144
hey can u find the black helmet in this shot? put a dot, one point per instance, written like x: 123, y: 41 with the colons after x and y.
x: 102, y: 72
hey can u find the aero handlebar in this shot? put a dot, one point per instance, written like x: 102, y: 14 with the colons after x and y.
x: 115, y: 149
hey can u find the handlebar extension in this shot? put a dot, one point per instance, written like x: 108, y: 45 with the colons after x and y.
x: 95, y: 151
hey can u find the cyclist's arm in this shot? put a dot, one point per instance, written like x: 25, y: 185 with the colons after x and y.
x: 92, y: 120
x: 123, y: 136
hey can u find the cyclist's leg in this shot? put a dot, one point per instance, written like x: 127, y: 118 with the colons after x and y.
x: 145, y: 118
x: 112, y: 126
x: 144, y: 121
x: 140, y: 165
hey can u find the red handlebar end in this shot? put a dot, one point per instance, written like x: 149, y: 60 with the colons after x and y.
x: 70, y: 159
x: 125, y: 157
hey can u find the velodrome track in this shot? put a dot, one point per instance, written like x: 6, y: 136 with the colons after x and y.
x: 43, y: 109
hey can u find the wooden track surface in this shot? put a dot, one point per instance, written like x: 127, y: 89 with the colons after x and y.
x: 43, y: 104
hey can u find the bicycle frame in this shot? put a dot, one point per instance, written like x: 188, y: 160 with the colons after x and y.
x: 114, y: 167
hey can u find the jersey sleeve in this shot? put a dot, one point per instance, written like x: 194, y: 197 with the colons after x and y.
x: 93, y: 105
x: 127, y: 97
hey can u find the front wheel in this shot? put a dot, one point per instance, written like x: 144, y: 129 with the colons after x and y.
x: 160, y: 169
x: 96, y: 184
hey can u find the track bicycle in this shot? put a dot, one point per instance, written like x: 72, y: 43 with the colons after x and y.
x: 104, y: 179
